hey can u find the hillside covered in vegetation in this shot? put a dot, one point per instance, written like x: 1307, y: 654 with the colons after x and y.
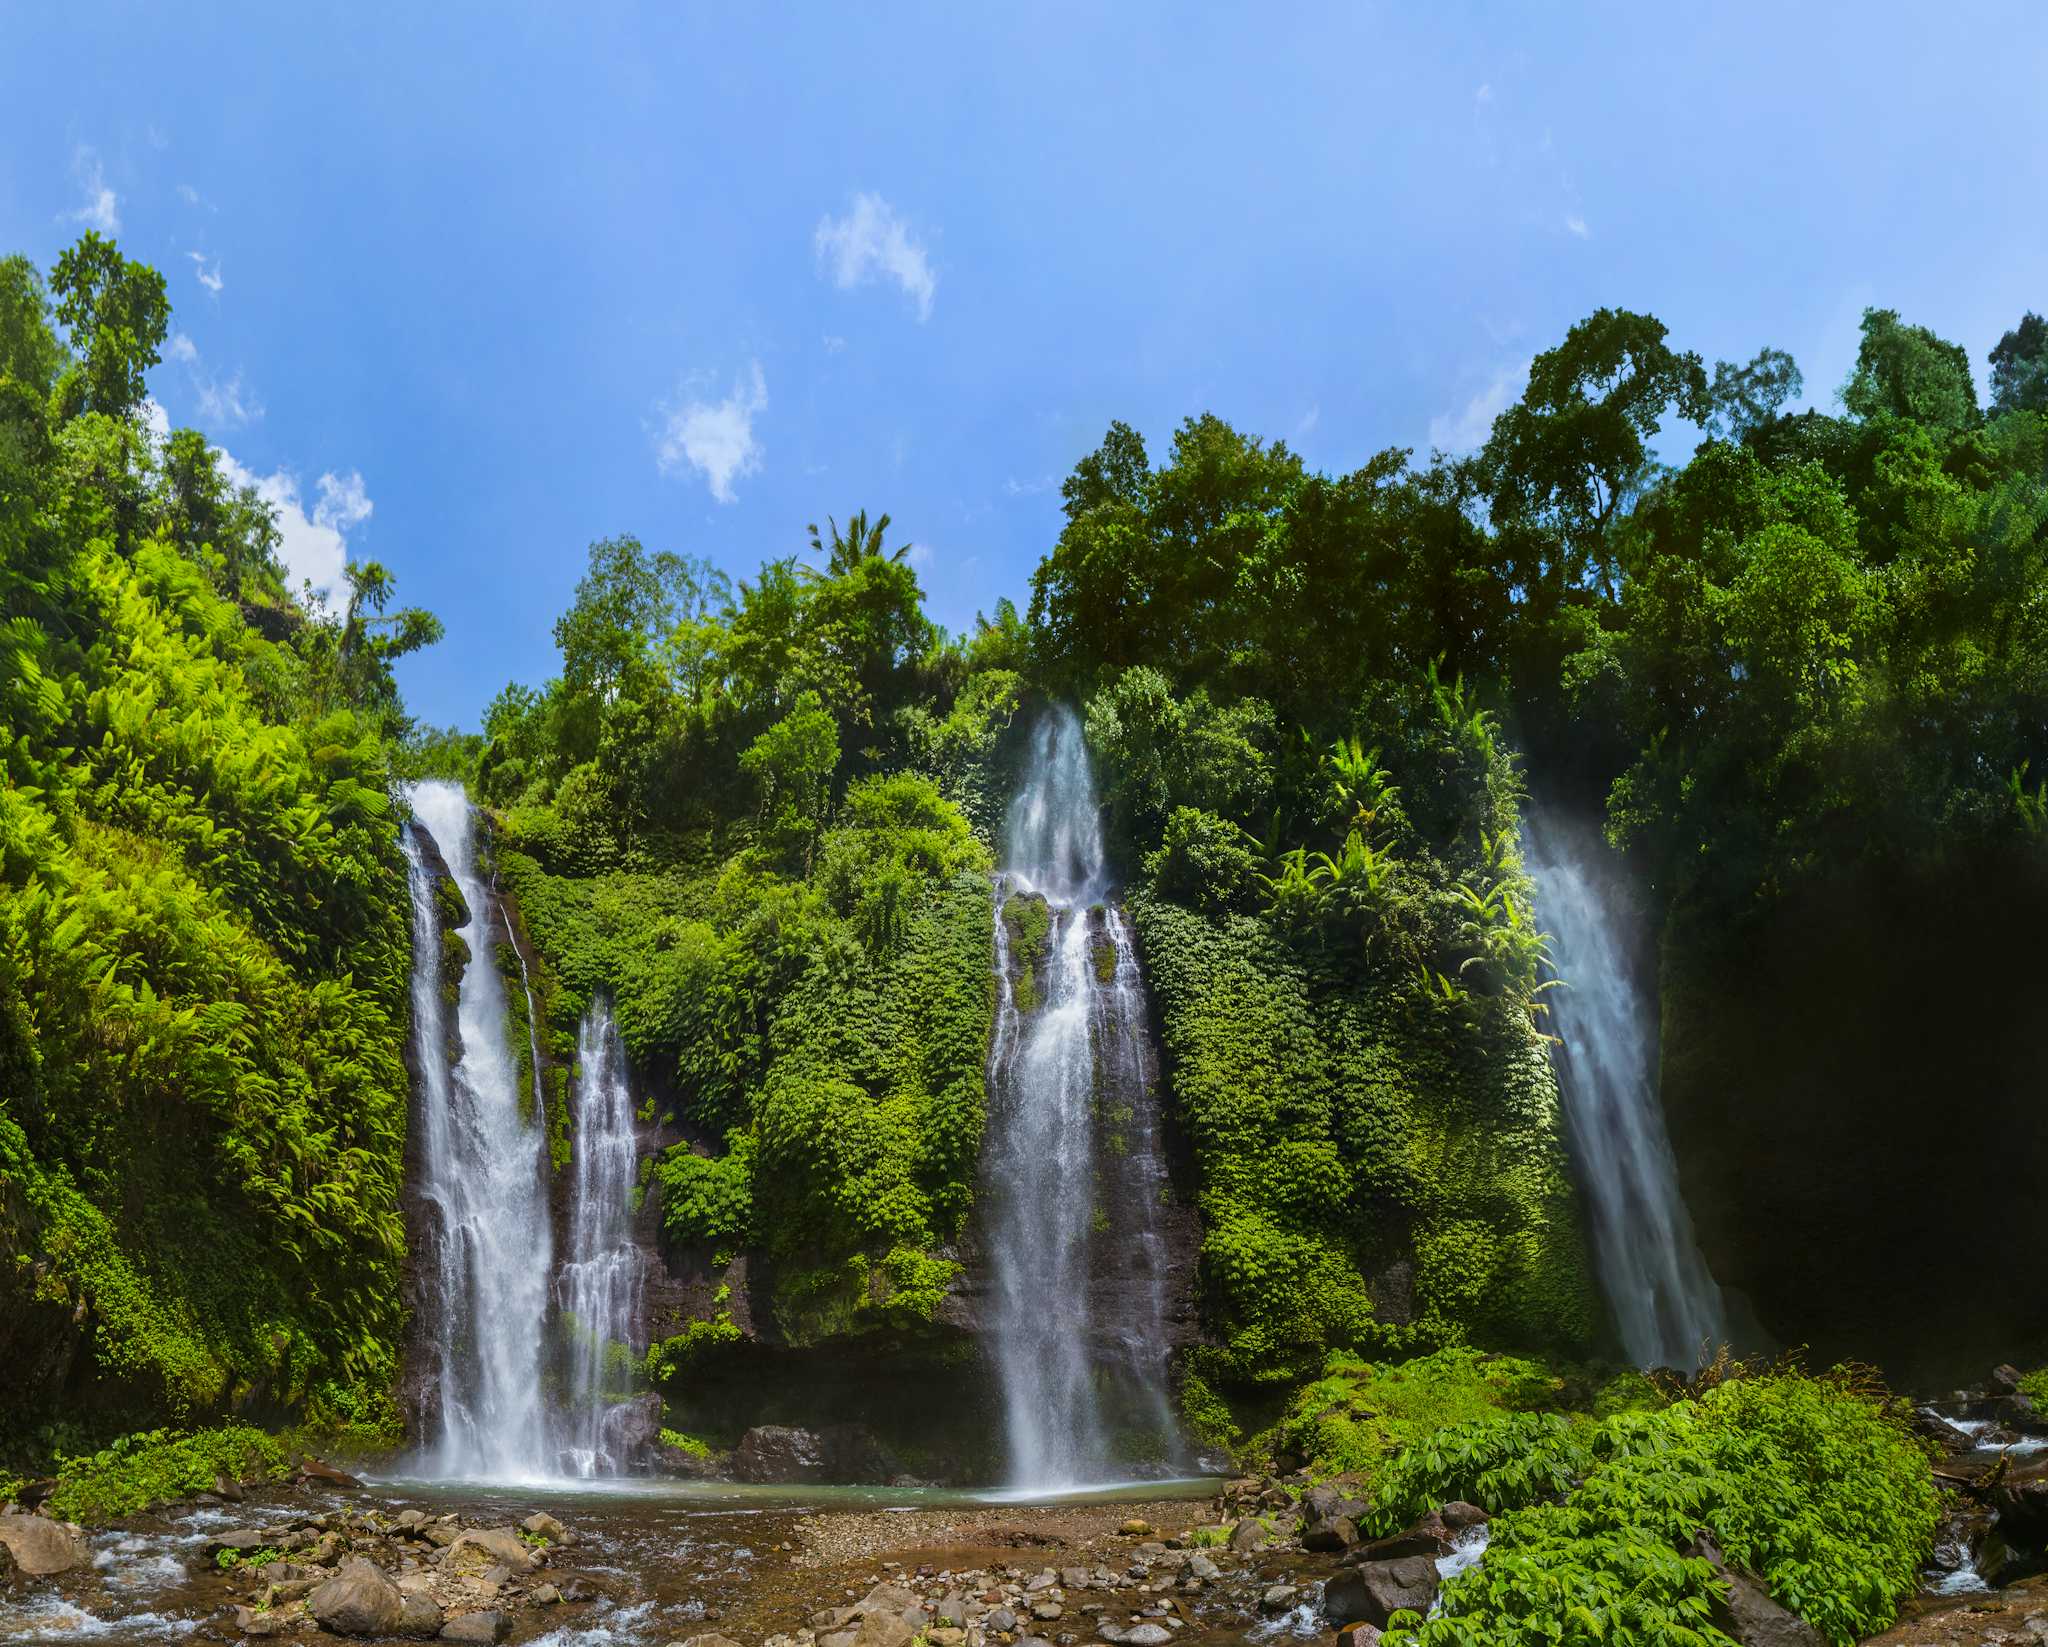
x: 1804, y: 664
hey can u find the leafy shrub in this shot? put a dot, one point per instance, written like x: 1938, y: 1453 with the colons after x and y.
x: 139, y: 1471
x: 708, y: 1199
x: 1205, y: 862
x: 1815, y: 1486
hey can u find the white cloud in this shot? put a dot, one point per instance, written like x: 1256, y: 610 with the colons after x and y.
x: 101, y: 210
x: 208, y: 277
x: 157, y: 419
x: 1484, y: 94
x: 223, y: 402
x: 188, y: 194
x: 716, y: 438
x: 1029, y: 488
x: 834, y: 343
x: 314, y: 549
x: 1309, y: 419
x: 1577, y: 225
x: 1466, y: 429
x: 870, y: 240
x: 344, y: 504
x: 920, y: 555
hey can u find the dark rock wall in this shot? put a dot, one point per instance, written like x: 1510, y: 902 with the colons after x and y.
x: 1857, y: 1089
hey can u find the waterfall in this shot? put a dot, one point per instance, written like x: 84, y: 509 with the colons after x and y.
x: 599, y: 1287
x: 1071, y: 1065
x: 1665, y: 1303
x: 482, y: 1165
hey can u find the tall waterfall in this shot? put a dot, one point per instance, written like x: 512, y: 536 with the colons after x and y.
x: 1071, y: 1061
x: 1665, y: 1303
x: 482, y: 1169
x: 599, y: 1287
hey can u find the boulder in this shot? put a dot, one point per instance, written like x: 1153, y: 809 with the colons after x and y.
x: 630, y: 1432
x: 1458, y: 1515
x: 250, y: 1622
x: 1748, y: 1613
x: 710, y: 1638
x: 2005, y: 1378
x: 1201, y: 1567
x: 1359, y: 1635
x: 479, y: 1629
x: 486, y: 1547
x: 2021, y: 1500
x: 419, y: 1614
x: 543, y: 1525
x: 1428, y: 1537
x: 884, y: 1630
x: 1332, y: 1535
x: 1249, y: 1534
x: 311, y: 1469
x: 241, y: 1540
x: 1374, y: 1591
x: 853, y: 1453
x: 1146, y: 1635
x: 778, y: 1453
x: 357, y: 1601
x: 41, y: 1547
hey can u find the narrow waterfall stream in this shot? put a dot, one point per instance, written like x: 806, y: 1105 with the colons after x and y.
x: 1071, y: 1066
x: 1665, y: 1303
x: 599, y: 1286
x: 482, y: 1164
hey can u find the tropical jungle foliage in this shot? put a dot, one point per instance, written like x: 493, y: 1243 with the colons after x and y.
x: 203, y: 944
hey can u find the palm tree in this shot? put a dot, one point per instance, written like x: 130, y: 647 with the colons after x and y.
x: 848, y: 549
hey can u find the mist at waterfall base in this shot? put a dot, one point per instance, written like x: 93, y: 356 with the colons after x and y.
x: 1067, y: 1378
x: 1667, y: 1308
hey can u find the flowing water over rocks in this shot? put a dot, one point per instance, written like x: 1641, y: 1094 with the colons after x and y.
x: 482, y: 1163
x: 1665, y: 1303
x: 1075, y: 1174
x: 600, y: 1285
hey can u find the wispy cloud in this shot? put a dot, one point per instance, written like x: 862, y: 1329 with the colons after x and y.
x: 209, y: 274
x: 1029, y: 488
x: 102, y: 208
x: 1307, y: 422
x: 716, y: 437
x: 313, y: 547
x: 188, y: 194
x: 1466, y: 429
x: 1576, y: 224
x: 224, y: 402
x: 1484, y: 94
x: 834, y: 343
x: 920, y: 555
x: 871, y: 240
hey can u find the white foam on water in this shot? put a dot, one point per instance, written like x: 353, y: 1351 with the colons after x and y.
x: 52, y: 1619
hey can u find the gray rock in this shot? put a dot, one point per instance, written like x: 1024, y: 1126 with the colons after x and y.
x: 1332, y: 1536
x: 1001, y: 1618
x: 418, y: 1615
x: 487, y: 1547
x: 778, y: 1453
x: 41, y: 1547
x: 1374, y: 1591
x: 1046, y: 1611
x: 1249, y: 1534
x: 952, y: 1611
x: 1749, y: 1614
x: 1147, y: 1635
x: 710, y: 1638
x: 357, y: 1601
x: 1278, y: 1598
x: 1458, y: 1515
x: 241, y: 1540
x: 479, y: 1629
x: 1200, y: 1566
x: 253, y: 1623
x: 884, y: 1630
x: 543, y: 1525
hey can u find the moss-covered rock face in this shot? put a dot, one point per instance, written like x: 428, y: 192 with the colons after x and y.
x: 813, y: 1046
x: 1028, y: 919
x: 1369, y: 1175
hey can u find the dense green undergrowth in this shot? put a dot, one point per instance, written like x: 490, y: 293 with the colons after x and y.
x: 1812, y: 1484
x: 155, y: 1467
x: 203, y: 941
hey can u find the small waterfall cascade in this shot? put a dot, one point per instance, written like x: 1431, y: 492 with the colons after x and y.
x: 599, y: 1287
x: 1666, y: 1304
x: 1074, y: 1170
x: 482, y: 1169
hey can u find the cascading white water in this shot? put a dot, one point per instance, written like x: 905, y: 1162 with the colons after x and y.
x: 482, y: 1168
x: 1665, y: 1303
x: 1084, y: 1025
x: 599, y: 1287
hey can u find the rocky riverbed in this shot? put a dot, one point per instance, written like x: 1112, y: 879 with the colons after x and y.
x: 709, y: 1564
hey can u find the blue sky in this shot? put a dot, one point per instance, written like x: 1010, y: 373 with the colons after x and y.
x: 465, y: 291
